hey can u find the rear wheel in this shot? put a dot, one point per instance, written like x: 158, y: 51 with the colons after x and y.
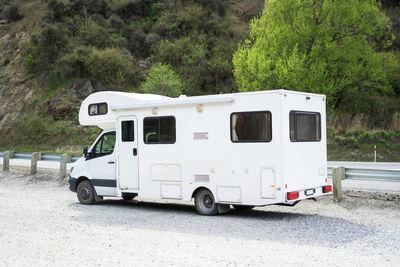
x: 242, y: 207
x: 205, y: 203
x: 85, y: 193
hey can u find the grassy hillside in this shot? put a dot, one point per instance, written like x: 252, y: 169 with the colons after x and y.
x: 54, y: 53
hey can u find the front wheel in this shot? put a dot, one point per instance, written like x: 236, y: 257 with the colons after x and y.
x: 85, y: 192
x: 205, y: 203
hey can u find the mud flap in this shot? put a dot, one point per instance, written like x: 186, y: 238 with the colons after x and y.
x: 222, y: 208
x: 96, y: 197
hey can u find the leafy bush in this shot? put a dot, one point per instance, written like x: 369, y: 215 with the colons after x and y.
x: 31, y: 63
x: 12, y: 13
x: 6, y: 61
x: 111, y: 66
x: 196, y: 38
x: 72, y: 64
x: 162, y: 80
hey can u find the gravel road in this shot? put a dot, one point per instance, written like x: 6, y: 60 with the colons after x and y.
x: 42, y: 224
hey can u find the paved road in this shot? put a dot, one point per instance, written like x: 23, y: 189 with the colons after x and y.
x: 42, y: 224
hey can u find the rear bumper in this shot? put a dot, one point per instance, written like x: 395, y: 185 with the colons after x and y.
x: 72, y: 184
x: 302, y: 193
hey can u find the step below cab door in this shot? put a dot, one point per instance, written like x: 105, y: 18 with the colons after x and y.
x: 128, y: 167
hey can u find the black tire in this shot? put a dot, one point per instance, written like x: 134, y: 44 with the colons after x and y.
x: 242, y: 207
x: 205, y: 203
x: 128, y: 196
x: 86, y: 193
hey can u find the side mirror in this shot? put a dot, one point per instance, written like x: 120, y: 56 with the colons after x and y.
x: 85, y: 151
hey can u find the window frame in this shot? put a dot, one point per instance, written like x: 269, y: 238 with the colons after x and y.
x: 122, y: 130
x: 159, y: 118
x: 93, y: 154
x: 251, y: 141
x: 295, y: 126
x: 98, y: 108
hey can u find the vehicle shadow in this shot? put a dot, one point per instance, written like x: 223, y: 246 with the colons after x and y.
x: 258, y: 224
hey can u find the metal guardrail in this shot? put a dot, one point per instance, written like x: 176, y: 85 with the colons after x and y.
x: 45, y: 157
x: 369, y: 174
x: 351, y: 173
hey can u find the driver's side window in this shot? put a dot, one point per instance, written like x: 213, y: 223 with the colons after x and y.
x: 105, y: 145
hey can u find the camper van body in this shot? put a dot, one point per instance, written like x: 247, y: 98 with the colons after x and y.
x: 284, y: 163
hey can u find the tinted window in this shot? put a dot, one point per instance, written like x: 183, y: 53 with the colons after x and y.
x: 159, y: 130
x: 251, y: 126
x: 128, y: 131
x: 305, y: 126
x: 105, y: 145
x: 98, y: 109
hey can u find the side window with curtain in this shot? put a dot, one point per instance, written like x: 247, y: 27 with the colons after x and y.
x: 255, y: 126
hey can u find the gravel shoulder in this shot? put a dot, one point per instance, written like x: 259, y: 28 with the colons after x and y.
x: 42, y: 223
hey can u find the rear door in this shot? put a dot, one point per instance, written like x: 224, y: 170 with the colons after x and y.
x: 128, y: 172
x: 304, y: 145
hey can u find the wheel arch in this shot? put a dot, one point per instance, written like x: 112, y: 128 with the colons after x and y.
x: 200, y: 188
x: 80, y: 179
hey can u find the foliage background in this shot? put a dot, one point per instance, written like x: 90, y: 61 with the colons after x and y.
x: 54, y: 53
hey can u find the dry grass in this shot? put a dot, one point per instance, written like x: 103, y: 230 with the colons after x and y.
x: 343, y: 122
x: 396, y: 121
x: 346, y: 122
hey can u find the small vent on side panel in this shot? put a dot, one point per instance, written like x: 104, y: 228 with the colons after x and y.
x: 200, y: 136
x: 201, y: 178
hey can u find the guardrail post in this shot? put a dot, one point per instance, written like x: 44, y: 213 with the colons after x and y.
x: 35, y: 158
x: 63, y: 166
x: 6, y: 161
x: 11, y: 154
x: 337, y: 177
x: 342, y: 172
x: 69, y: 158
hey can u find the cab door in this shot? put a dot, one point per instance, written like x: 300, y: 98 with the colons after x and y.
x: 102, y: 164
x: 128, y: 167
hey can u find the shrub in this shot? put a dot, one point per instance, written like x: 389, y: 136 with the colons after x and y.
x: 12, y: 13
x: 111, y: 66
x: 6, y: 62
x: 72, y: 64
x: 162, y: 80
x: 31, y: 63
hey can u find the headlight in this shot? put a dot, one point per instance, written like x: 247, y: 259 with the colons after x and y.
x: 72, y: 168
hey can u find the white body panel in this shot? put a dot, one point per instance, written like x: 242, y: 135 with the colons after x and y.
x: 203, y: 155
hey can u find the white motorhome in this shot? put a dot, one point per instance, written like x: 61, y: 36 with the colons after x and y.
x: 241, y: 149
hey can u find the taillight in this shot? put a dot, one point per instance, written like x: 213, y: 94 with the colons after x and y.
x: 292, y: 195
x: 326, y: 189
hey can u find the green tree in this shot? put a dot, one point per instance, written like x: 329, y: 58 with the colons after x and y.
x: 338, y: 48
x: 162, y: 80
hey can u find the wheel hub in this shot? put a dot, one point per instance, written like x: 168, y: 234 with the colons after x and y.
x: 84, y: 193
x: 207, y: 201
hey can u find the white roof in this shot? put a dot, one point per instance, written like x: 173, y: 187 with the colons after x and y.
x: 125, y: 101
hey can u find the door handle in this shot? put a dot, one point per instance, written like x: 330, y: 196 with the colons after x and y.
x: 135, y: 151
x: 111, y: 162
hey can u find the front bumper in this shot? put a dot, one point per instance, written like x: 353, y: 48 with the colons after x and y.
x: 72, y: 184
